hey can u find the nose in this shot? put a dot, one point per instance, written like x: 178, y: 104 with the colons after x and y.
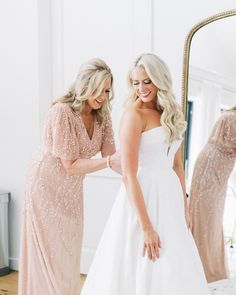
x: 104, y: 95
x: 141, y: 87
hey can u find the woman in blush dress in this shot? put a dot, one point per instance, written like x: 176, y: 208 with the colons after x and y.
x: 207, y: 195
x: 147, y: 247
x: 78, y: 126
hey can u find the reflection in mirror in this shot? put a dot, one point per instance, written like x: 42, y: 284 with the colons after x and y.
x: 212, y: 82
x: 210, y: 146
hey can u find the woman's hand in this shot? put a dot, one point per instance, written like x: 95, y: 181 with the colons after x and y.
x: 188, y: 219
x: 115, y: 162
x: 152, y: 244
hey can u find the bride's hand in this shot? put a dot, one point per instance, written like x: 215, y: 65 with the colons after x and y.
x: 188, y: 219
x: 152, y: 244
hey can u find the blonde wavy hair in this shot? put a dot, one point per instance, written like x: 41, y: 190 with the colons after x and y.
x: 233, y: 109
x: 172, y: 118
x: 89, y: 83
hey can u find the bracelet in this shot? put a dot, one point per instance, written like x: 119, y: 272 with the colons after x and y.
x: 108, y: 161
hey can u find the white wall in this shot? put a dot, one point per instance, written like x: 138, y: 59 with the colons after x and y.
x: 172, y: 23
x: 38, y: 64
x: 19, y: 107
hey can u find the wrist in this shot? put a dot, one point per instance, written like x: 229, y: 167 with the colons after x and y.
x: 147, y: 229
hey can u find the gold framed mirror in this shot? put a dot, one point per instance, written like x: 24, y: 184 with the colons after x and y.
x: 187, y: 45
x: 186, y: 61
x: 209, y: 153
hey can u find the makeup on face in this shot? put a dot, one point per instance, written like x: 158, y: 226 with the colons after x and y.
x: 143, y: 85
x: 97, y: 102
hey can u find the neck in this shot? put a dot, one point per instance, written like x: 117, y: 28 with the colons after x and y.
x: 149, y: 105
x: 87, y: 110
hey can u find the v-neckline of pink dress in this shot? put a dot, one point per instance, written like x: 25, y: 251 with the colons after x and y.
x: 90, y: 139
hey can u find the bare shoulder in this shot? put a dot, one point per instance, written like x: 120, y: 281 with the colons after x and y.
x: 132, y: 118
x: 133, y: 112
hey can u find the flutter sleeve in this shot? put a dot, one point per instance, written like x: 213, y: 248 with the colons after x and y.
x: 229, y: 135
x: 60, y: 136
x: 224, y: 131
x: 108, y: 142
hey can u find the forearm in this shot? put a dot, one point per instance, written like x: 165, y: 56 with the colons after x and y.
x: 136, y: 198
x: 84, y: 166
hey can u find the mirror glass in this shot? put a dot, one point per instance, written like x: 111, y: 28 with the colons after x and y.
x: 211, y: 92
x: 211, y: 82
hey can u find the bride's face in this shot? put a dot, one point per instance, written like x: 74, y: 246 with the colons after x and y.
x: 143, y: 85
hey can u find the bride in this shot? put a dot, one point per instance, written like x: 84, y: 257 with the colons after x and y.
x: 147, y: 247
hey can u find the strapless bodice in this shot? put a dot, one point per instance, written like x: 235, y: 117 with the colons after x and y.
x: 154, y: 151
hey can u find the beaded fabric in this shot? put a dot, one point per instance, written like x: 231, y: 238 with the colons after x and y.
x: 52, y: 226
x: 207, y: 195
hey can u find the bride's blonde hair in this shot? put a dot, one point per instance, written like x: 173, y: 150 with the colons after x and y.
x: 172, y: 118
x: 89, y: 83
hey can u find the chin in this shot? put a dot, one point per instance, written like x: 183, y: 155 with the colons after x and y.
x: 147, y: 99
x: 97, y: 107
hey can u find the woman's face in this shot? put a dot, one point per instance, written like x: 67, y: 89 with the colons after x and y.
x: 96, y: 103
x: 143, y: 85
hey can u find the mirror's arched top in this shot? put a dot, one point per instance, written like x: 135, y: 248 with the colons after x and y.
x: 187, y: 45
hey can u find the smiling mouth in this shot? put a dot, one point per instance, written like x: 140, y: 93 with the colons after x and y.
x: 145, y: 94
x: 98, y: 101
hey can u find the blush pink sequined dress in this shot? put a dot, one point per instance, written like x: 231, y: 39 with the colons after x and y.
x: 207, y: 195
x: 52, y: 226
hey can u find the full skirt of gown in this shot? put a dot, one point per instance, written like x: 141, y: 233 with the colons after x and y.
x: 119, y: 267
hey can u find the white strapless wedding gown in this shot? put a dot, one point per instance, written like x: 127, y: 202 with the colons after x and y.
x: 118, y: 267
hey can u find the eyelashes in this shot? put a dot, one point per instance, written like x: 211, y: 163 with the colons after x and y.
x: 146, y: 82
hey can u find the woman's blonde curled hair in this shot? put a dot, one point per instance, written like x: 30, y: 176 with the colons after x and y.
x: 172, y: 118
x: 233, y: 109
x: 89, y: 83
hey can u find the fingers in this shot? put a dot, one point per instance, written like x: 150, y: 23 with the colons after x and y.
x: 159, y: 243
x: 149, y: 249
x: 155, y: 252
x: 144, y: 250
x: 152, y: 251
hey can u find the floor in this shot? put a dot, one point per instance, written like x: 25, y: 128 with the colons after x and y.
x: 8, y: 283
